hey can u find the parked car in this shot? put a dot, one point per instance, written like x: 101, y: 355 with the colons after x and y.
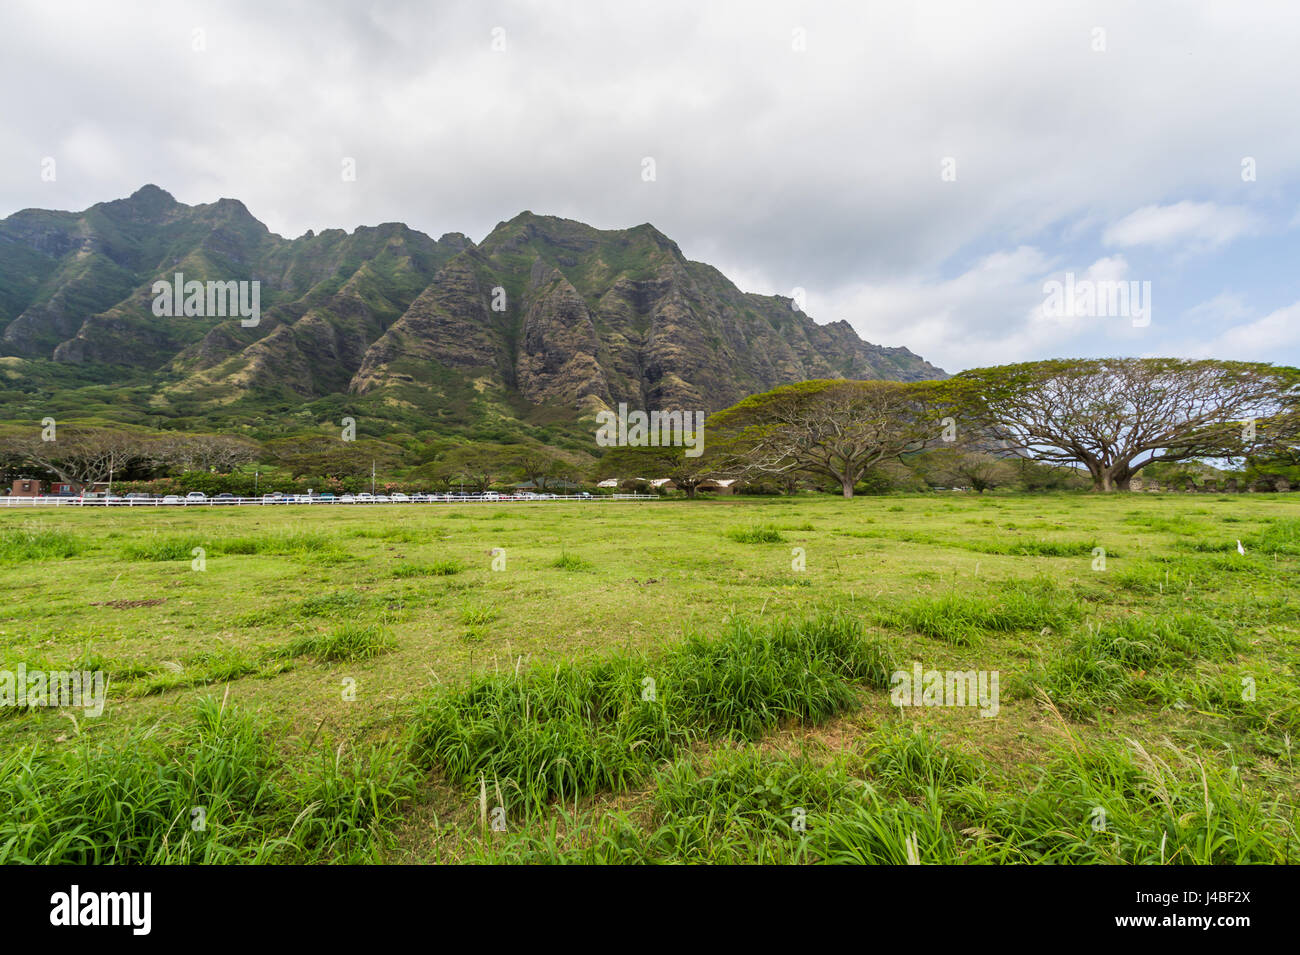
x: 225, y: 498
x: 347, y: 499
x: 327, y: 496
x: 397, y: 497
x: 365, y: 498
x: 195, y: 497
x: 171, y: 499
x: 491, y: 496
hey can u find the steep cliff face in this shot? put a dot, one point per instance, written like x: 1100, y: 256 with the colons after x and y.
x: 587, y: 318
x: 545, y: 312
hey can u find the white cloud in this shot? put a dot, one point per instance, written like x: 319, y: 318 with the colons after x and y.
x: 1264, y: 339
x: 1201, y: 224
x: 818, y: 169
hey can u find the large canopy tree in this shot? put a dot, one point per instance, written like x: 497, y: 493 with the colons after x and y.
x: 1115, y: 416
x: 834, y: 429
x: 81, y: 454
x: 204, y: 452
x: 319, y: 455
x: 546, y: 467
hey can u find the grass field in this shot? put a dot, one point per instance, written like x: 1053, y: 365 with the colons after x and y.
x: 658, y: 681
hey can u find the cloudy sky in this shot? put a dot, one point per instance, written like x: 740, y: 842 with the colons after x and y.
x: 922, y: 170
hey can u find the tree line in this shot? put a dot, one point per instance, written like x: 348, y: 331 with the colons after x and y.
x: 1102, y: 420
x: 1106, y: 418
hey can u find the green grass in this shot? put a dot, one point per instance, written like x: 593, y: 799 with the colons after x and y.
x: 572, y: 731
x: 18, y: 544
x: 570, y: 562
x: 765, y: 534
x: 348, y: 641
x: 1136, y: 688
x: 437, y: 568
x: 213, y: 791
x: 964, y: 619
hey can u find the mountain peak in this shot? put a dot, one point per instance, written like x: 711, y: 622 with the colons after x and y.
x: 151, y: 193
x: 147, y: 203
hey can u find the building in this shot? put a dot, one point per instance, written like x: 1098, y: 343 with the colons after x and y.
x: 723, y: 486
x: 26, y: 487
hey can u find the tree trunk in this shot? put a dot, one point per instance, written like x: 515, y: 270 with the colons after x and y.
x: 847, y: 485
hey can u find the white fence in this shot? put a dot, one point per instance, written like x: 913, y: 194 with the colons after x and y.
x: 302, y: 499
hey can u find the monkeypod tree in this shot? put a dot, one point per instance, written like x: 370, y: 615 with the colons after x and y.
x: 81, y: 454
x: 1115, y: 416
x: 834, y: 429
x: 328, y: 456
x: 204, y: 452
x: 545, y: 467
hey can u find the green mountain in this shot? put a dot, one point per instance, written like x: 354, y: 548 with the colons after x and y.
x: 546, y: 321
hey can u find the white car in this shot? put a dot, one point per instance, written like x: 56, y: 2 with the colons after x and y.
x: 171, y: 499
x: 491, y: 496
x: 347, y: 499
x: 195, y: 497
x: 399, y: 498
x: 365, y: 498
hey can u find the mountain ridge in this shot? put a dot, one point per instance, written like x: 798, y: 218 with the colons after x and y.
x: 544, y: 312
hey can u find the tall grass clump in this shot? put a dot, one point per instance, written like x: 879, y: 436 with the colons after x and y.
x: 304, y: 545
x: 437, y: 568
x: 281, y: 544
x: 134, y: 803
x: 570, y: 562
x: 1106, y: 665
x: 568, y: 731
x: 18, y: 544
x: 912, y: 760
x: 211, y: 791
x: 1035, y: 548
x: 1164, y: 806
x: 1280, y: 536
x: 762, y: 534
x: 347, y: 642
x: 161, y: 547
x: 575, y: 730
x: 963, y: 619
x: 749, y: 680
